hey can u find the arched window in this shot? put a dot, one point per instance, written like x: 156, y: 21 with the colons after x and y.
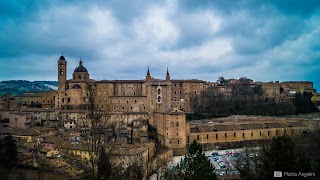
x: 159, y: 99
x: 159, y: 91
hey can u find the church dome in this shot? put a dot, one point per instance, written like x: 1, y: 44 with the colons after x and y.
x: 62, y: 58
x: 80, y: 68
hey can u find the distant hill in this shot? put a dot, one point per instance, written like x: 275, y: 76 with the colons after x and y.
x: 16, y: 87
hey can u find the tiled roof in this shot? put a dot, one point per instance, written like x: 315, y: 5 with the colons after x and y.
x: 6, y: 130
x: 228, y: 127
x: 296, y: 124
x: 43, y: 128
x: 19, y: 132
x: 275, y: 125
x: 252, y: 126
x: 25, y: 132
x: 194, y: 130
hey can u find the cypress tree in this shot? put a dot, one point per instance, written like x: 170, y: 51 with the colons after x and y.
x: 104, y: 166
x: 8, y: 156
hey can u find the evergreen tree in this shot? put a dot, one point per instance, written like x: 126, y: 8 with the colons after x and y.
x: 196, y: 165
x: 104, y: 166
x: 282, y: 155
x: 8, y: 156
x: 303, y: 103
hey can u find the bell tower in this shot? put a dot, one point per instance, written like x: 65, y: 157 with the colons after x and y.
x: 62, y: 74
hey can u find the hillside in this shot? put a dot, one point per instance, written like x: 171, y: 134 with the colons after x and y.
x: 16, y: 87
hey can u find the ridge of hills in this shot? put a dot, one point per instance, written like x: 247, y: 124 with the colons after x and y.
x: 16, y: 87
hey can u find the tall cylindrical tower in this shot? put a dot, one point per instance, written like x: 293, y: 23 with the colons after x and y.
x: 62, y: 74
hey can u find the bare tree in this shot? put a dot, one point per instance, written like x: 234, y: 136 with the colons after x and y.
x: 96, y: 122
x: 163, y: 167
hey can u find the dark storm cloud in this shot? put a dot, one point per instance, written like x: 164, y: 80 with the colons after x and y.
x: 117, y: 39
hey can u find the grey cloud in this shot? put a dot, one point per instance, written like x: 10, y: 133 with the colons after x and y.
x: 119, y: 39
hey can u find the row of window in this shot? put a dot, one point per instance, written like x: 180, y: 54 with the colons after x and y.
x: 124, y: 93
x: 48, y: 101
x: 123, y: 107
x: 177, y: 142
x: 277, y: 132
x: 175, y: 85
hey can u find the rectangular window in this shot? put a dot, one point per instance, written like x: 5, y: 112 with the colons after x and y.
x: 251, y: 133
x: 216, y: 136
x: 234, y: 134
x: 198, y: 137
x: 207, y: 136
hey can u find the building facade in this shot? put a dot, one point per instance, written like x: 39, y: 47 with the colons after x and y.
x: 128, y: 100
x: 161, y: 102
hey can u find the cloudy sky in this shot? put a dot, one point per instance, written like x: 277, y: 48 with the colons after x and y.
x: 117, y: 39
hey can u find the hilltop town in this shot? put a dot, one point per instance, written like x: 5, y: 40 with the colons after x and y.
x: 142, y: 121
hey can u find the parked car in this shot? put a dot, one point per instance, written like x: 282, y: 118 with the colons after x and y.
x: 222, y: 165
x: 214, y: 154
x: 236, y: 155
